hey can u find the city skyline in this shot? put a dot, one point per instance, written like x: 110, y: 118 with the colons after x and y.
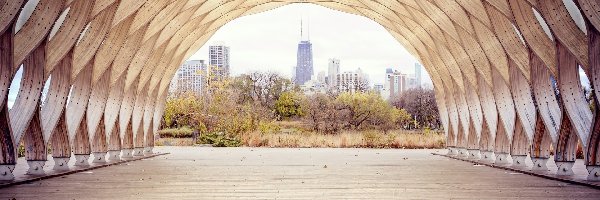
x: 268, y: 42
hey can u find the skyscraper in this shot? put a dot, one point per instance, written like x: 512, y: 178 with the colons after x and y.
x: 333, y: 70
x: 304, y: 64
x: 418, y: 75
x: 190, y: 77
x: 218, y: 56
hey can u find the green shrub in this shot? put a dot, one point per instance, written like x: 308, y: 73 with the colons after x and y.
x: 183, y: 132
x: 219, y: 139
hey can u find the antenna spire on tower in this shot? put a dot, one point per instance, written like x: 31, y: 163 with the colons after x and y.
x: 301, y: 34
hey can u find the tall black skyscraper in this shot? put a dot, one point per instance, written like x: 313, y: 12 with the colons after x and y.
x: 304, y: 64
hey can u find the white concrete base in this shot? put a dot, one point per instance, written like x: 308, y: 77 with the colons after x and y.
x: 539, y: 164
x: 594, y: 172
x: 6, y: 172
x: 148, y: 151
x: 463, y: 153
x: 519, y: 161
x: 127, y: 154
x: 36, y: 167
x: 452, y: 151
x: 82, y: 160
x: 61, y: 164
x: 99, y: 157
x: 502, y: 159
x: 138, y: 151
x: 564, y: 168
x: 474, y: 154
x: 114, y: 156
x: 488, y: 156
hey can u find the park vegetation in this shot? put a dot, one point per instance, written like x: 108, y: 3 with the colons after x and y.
x: 266, y: 109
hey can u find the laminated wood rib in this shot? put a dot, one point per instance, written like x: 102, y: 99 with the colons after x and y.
x: 78, y: 101
x: 68, y: 33
x: 28, y: 99
x: 505, y: 106
x: 8, y: 153
x: 523, y: 101
x: 56, y: 99
x: 573, y: 99
x: 36, y: 28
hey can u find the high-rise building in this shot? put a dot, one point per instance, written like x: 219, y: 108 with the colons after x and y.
x: 418, y: 75
x: 333, y: 70
x: 397, y: 82
x: 321, y: 77
x: 304, y: 64
x: 218, y: 56
x: 352, y: 82
x: 190, y: 77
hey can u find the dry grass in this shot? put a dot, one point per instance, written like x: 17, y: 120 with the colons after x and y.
x: 174, y: 142
x: 347, y: 139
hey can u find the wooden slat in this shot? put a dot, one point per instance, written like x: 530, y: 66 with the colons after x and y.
x: 35, y: 30
x: 576, y: 106
x: 68, y: 33
x: 9, y: 12
x: 78, y: 101
x: 509, y: 39
x: 521, y: 92
x: 534, y: 35
x: 56, y: 98
x: 593, y: 151
x: 27, y: 101
x: 92, y: 38
x: 59, y: 141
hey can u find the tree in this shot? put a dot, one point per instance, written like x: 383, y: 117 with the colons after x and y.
x: 289, y: 105
x: 322, y: 113
x: 420, y: 104
x: 360, y: 107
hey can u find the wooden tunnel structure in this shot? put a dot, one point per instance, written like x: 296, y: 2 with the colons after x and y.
x: 505, y: 72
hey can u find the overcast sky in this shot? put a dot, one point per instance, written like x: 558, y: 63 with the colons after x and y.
x: 268, y: 42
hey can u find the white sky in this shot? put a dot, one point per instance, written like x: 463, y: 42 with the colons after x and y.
x: 268, y: 42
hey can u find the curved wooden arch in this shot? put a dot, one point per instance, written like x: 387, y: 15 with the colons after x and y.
x: 481, y: 55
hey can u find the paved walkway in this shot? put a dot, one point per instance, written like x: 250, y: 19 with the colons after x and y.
x: 263, y: 173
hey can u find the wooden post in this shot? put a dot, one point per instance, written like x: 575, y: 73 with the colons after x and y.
x: 577, y: 117
x: 25, y: 115
x: 592, y: 157
x: 8, y: 153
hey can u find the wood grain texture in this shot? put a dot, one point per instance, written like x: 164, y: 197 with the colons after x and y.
x: 91, y: 40
x: 593, y: 151
x: 28, y: 99
x: 81, y: 141
x: 33, y: 139
x: 8, y: 152
x: 9, y: 11
x: 78, y: 101
x: 96, y: 106
x: 573, y: 99
x: 534, y: 35
x: 114, y: 138
x: 523, y: 100
x: 521, y: 141
x: 505, y: 106
x: 545, y: 96
x: 68, y: 33
x: 36, y: 28
x: 56, y: 98
x: 98, y: 143
x: 542, y: 143
x: 509, y: 39
x: 59, y: 141
x: 591, y: 9
x: 565, y: 30
x: 452, y: 114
